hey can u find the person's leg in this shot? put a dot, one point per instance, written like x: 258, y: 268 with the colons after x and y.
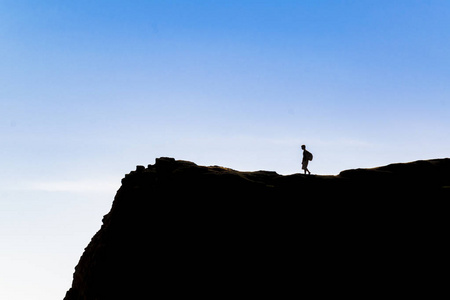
x: 305, y: 166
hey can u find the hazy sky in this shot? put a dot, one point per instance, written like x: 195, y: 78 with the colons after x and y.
x: 90, y: 89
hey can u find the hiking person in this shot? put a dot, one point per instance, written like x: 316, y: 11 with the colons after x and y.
x: 307, y: 156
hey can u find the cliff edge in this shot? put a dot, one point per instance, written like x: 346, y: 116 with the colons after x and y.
x: 179, y: 229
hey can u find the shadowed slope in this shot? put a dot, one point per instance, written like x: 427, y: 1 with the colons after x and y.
x: 178, y: 229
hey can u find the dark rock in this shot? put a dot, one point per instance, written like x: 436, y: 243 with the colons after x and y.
x: 140, y: 169
x: 180, y: 230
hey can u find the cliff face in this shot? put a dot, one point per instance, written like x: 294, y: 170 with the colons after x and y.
x: 178, y: 229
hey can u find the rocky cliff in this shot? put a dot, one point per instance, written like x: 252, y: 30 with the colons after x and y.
x: 177, y: 229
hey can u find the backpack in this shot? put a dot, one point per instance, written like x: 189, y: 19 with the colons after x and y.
x: 309, y: 155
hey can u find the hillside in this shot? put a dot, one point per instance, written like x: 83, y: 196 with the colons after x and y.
x: 179, y: 229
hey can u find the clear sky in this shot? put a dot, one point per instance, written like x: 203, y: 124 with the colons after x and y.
x: 90, y: 89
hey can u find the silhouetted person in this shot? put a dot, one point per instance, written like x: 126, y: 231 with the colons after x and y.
x: 307, y: 156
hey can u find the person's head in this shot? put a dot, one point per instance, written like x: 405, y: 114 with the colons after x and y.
x: 303, y: 147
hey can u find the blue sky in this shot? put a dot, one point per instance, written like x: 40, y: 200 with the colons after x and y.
x: 89, y: 89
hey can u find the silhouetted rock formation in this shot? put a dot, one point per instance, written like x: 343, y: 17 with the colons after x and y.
x: 178, y: 229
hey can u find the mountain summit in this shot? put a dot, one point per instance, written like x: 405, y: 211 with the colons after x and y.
x: 177, y: 229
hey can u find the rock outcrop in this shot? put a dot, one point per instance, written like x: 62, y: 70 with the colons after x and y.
x: 177, y: 229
